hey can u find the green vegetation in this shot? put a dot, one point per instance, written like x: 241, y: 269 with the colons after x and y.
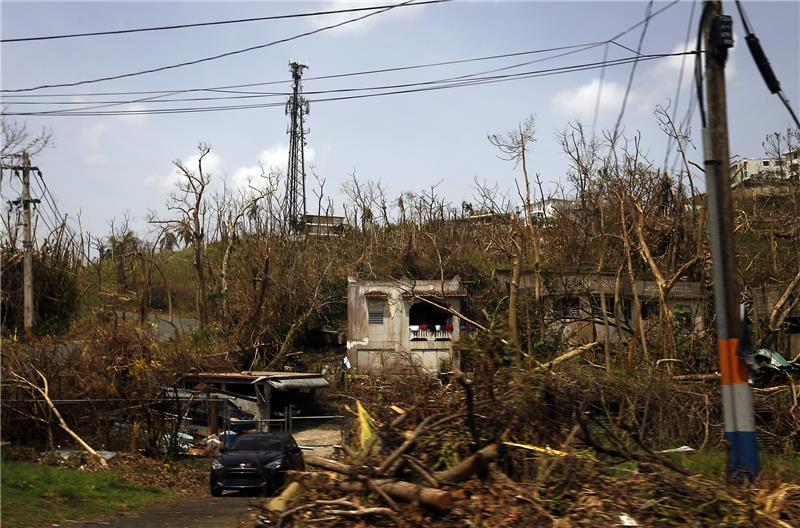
x: 710, y: 463
x: 38, y: 495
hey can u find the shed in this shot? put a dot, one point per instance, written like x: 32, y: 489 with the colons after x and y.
x: 270, y: 392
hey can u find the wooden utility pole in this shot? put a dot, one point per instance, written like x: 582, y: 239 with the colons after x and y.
x: 27, y: 248
x: 737, y: 397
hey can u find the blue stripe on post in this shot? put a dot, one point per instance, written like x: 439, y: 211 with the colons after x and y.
x: 743, y: 456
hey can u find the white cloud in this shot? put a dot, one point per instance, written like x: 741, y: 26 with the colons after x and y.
x: 96, y: 159
x: 212, y: 165
x: 139, y: 120
x: 92, y: 137
x: 360, y: 26
x: 662, y: 78
x: 276, y: 157
x: 654, y: 84
x: 579, y: 103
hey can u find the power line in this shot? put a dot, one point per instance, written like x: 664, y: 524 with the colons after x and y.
x: 248, y: 95
x: 574, y: 48
x: 413, y: 87
x: 214, y: 57
x: 258, y: 95
x: 599, y: 91
x: 648, y: 12
x: 645, y: 20
x: 698, y: 65
x: 11, y: 93
x: 46, y: 190
x: 48, y: 200
x: 680, y: 83
x: 762, y: 62
x: 287, y: 81
x: 213, y: 23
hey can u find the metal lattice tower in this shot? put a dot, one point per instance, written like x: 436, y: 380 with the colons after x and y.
x: 296, y: 108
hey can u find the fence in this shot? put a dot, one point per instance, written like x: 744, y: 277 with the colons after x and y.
x: 318, y: 435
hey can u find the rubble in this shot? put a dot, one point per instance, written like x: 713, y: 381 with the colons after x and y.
x: 422, y: 468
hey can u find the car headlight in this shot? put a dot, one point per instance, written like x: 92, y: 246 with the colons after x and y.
x: 275, y: 464
x: 216, y: 465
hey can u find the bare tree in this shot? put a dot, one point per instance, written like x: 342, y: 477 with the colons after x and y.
x: 189, y: 203
x: 513, y: 146
x: 16, y: 139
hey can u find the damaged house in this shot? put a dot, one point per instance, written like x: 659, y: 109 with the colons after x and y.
x: 576, y: 303
x: 396, y: 323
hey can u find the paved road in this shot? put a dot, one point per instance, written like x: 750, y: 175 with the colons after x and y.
x: 229, y: 511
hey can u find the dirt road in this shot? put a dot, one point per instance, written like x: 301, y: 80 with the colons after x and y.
x: 196, y: 512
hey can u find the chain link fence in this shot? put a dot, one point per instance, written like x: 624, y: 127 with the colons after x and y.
x: 317, y: 435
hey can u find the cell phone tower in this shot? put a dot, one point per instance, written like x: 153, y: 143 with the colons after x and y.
x: 296, y: 108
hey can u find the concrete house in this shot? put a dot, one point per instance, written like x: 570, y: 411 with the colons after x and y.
x: 573, y: 302
x: 392, y: 324
x: 764, y: 171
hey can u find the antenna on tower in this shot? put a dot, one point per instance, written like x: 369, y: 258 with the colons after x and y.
x: 296, y: 108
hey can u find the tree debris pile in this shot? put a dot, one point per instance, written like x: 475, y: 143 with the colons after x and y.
x: 451, y: 454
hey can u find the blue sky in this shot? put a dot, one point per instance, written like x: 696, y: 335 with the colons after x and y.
x: 104, y: 166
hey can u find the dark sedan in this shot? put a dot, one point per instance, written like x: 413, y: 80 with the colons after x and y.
x: 255, y: 462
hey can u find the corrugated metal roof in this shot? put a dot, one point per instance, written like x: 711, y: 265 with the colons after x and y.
x: 298, y: 383
x: 249, y: 376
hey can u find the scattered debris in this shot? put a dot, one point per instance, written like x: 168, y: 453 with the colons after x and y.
x: 681, y: 449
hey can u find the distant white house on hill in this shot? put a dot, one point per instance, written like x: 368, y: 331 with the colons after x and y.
x: 759, y: 171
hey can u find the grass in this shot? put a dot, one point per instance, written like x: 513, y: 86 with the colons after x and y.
x: 39, y: 495
x: 710, y: 463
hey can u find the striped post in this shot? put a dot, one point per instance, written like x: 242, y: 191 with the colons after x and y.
x: 737, y: 397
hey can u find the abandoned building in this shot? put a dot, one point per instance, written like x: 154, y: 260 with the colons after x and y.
x: 324, y: 225
x: 267, y: 395
x: 573, y: 301
x: 787, y: 338
x: 394, y: 324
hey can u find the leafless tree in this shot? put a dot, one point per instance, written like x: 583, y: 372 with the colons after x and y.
x: 189, y: 202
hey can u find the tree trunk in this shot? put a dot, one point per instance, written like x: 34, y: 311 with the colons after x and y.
x: 513, y: 295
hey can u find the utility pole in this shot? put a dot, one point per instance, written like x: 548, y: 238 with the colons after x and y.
x: 27, y: 247
x: 296, y: 108
x: 737, y: 396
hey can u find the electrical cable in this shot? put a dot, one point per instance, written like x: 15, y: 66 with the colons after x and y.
x: 50, y: 202
x: 648, y: 11
x: 599, y: 91
x: 11, y: 93
x: 158, y: 98
x: 698, y: 65
x: 44, y: 221
x: 247, y: 95
x: 212, y: 57
x: 50, y: 223
x: 426, y: 86
x: 305, y: 79
x: 212, y: 23
x: 762, y: 62
x: 680, y: 84
x: 49, y: 199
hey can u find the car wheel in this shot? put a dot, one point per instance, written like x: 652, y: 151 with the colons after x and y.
x: 216, y: 492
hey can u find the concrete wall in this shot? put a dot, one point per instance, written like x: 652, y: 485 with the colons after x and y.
x: 374, y: 348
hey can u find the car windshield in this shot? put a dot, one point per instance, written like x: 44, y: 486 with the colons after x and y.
x: 258, y: 443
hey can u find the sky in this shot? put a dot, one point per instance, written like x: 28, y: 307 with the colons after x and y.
x: 104, y: 167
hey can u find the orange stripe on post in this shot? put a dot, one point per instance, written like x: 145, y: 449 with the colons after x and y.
x: 733, y: 369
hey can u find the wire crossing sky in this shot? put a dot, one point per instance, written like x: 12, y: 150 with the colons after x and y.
x: 405, y: 95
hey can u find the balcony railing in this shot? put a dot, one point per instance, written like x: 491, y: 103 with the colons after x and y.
x: 429, y: 334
